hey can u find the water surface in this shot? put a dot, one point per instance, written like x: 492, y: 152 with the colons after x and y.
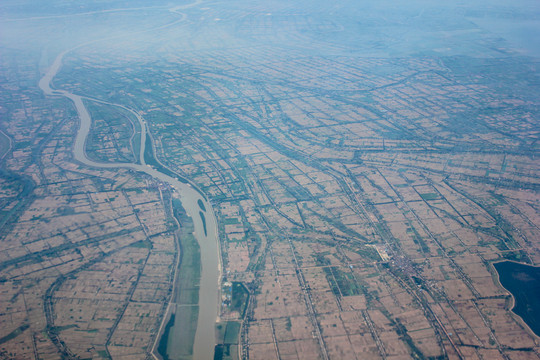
x: 523, y: 282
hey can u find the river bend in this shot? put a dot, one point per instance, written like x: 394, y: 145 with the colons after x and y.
x: 189, y: 196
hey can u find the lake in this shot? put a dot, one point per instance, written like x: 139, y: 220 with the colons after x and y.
x: 523, y: 281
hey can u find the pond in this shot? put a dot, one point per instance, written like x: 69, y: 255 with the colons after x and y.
x: 523, y: 282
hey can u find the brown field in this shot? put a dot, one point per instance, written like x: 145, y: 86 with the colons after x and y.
x: 361, y: 199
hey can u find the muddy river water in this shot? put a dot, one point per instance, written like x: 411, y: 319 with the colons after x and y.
x: 188, y: 195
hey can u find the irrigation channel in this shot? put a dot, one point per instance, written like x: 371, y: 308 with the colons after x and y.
x: 203, y: 216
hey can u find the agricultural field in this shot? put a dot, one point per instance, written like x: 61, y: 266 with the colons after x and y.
x: 367, y: 164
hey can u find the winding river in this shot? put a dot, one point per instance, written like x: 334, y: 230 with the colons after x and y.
x: 203, y: 348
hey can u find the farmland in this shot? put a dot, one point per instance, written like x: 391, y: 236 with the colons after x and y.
x: 366, y: 165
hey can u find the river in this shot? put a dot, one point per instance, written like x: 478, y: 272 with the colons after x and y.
x: 203, y: 348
